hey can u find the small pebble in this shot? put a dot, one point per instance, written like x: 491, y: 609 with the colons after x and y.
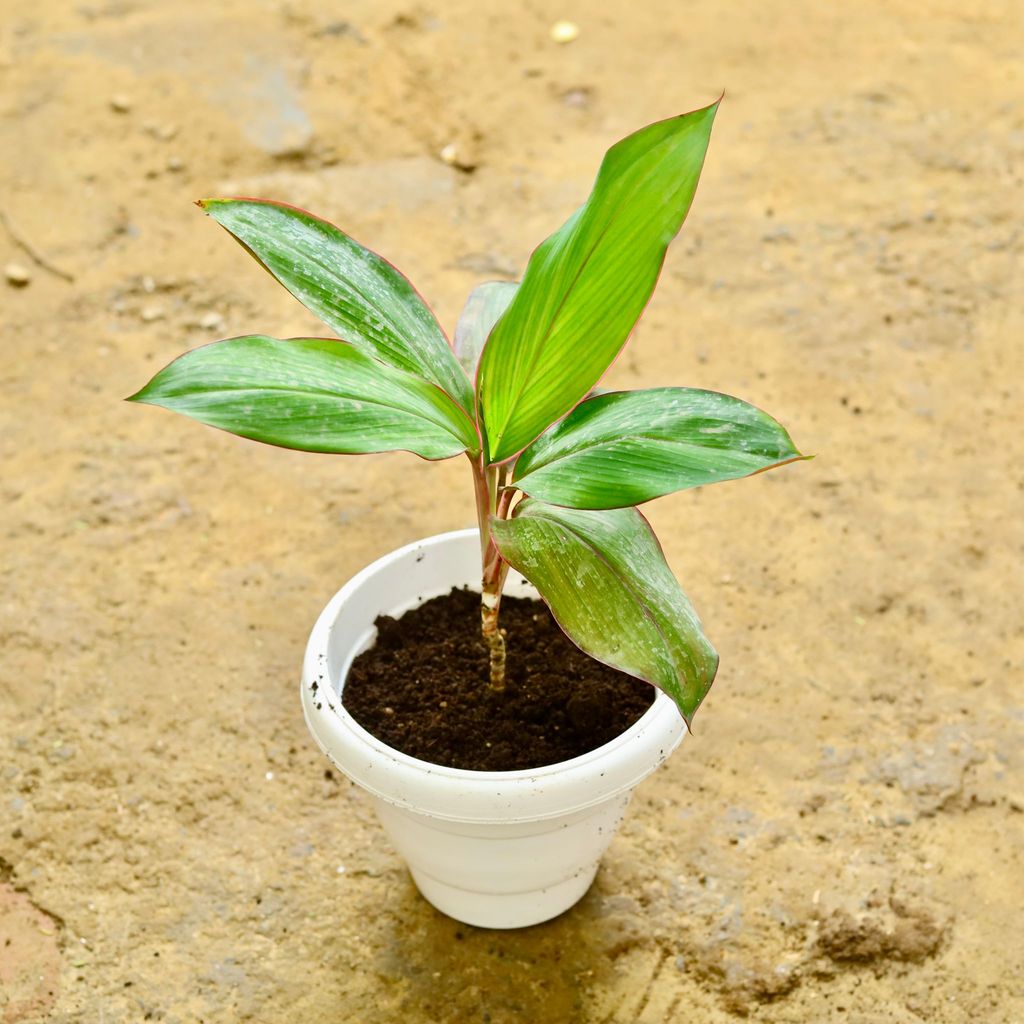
x: 163, y: 132
x: 17, y: 275
x: 578, y: 98
x: 175, y: 164
x: 151, y: 313
x: 462, y: 155
x: 120, y: 103
x: 564, y: 31
x: 211, y: 321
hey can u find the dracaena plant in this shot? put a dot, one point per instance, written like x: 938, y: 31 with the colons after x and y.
x: 557, y: 468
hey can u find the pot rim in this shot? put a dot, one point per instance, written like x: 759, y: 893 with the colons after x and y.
x: 461, y: 794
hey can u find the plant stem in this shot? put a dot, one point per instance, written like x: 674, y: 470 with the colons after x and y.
x: 491, y: 499
x: 494, y: 636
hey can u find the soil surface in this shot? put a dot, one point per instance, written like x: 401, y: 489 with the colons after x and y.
x: 841, y: 839
x: 423, y: 688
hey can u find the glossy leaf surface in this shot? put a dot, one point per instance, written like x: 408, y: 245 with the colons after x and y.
x: 484, y: 306
x: 587, y: 284
x: 626, y: 447
x: 354, y: 291
x: 604, y: 576
x: 312, y: 394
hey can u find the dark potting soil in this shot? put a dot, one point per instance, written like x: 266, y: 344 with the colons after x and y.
x: 423, y: 688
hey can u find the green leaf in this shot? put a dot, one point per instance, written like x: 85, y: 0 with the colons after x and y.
x: 626, y: 447
x: 484, y: 306
x: 587, y: 284
x: 605, y: 579
x: 353, y: 290
x: 312, y: 394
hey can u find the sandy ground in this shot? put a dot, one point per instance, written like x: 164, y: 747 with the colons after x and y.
x: 841, y: 842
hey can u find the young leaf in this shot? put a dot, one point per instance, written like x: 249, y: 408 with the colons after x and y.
x: 353, y: 290
x: 606, y: 581
x: 485, y: 304
x: 312, y: 394
x: 587, y: 284
x: 626, y: 447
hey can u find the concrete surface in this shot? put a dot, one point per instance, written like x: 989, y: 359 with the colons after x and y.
x: 840, y: 842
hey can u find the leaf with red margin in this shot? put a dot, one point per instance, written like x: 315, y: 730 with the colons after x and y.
x: 627, y: 447
x: 605, y: 579
x: 586, y: 285
x: 314, y: 395
x: 357, y: 293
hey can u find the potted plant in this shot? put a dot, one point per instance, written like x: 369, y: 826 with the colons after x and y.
x: 557, y: 471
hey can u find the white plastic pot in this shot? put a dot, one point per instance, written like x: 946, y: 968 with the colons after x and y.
x: 494, y: 849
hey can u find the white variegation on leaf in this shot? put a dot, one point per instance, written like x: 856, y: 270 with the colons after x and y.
x: 314, y: 394
x: 626, y: 447
x: 361, y: 296
x: 605, y: 579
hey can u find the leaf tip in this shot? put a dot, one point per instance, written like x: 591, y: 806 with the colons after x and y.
x: 708, y: 111
x: 688, y: 716
x: 210, y: 204
x: 148, y: 394
x: 797, y: 456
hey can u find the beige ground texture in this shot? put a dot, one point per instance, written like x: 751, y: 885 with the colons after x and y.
x: 841, y: 840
